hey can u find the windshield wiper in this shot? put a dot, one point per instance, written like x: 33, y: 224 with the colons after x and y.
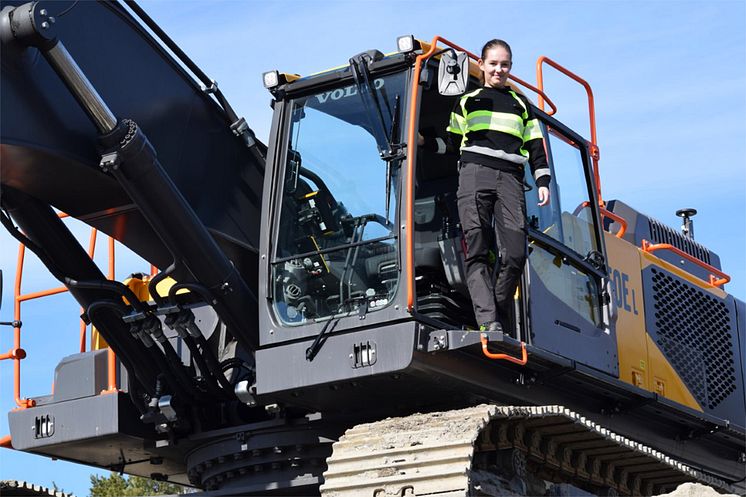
x: 388, y: 149
x: 397, y: 154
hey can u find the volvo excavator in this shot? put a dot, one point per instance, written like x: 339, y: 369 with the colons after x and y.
x: 306, y: 328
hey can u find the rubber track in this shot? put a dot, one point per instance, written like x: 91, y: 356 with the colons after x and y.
x: 431, y: 454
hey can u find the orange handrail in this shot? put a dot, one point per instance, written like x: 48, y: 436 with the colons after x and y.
x: 593, y: 145
x: 412, y: 139
x: 17, y: 353
x: 111, y: 357
x: 5, y: 442
x: 605, y: 213
x: 20, y: 402
x: 522, y: 361
x: 615, y: 217
x: 717, y: 277
x: 91, y: 251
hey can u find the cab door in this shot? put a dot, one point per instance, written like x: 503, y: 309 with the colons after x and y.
x: 566, y: 304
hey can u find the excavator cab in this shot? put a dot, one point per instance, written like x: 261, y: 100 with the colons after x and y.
x: 350, y: 240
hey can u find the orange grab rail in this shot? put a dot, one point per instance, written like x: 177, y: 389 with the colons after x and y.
x: 717, y: 277
x: 595, y: 152
x: 412, y: 139
x: 615, y: 217
x: 522, y: 361
x: 111, y: 357
x: 5, y: 442
x: 17, y: 353
x: 606, y: 213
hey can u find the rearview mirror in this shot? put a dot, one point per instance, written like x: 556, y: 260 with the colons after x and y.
x: 453, y: 73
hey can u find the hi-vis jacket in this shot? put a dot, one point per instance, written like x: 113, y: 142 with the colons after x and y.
x: 495, y: 127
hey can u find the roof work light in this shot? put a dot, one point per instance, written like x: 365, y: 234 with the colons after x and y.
x: 271, y: 79
x: 405, y: 44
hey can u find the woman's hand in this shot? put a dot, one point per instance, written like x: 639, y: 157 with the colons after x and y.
x: 420, y: 140
x: 543, y: 196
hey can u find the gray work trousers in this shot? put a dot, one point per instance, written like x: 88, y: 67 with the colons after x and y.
x: 491, y: 201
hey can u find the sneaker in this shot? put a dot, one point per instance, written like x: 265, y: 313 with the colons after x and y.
x: 491, y: 326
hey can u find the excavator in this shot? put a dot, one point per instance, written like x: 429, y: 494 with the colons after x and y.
x: 306, y: 328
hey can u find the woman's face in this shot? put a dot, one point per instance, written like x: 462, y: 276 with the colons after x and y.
x: 496, y: 67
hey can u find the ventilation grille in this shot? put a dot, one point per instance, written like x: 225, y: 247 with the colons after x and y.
x: 660, y: 233
x: 694, y: 331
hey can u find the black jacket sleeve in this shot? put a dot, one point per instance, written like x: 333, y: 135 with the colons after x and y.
x: 533, y: 142
x: 451, y: 144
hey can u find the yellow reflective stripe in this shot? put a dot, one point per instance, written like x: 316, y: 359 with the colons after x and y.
x: 467, y: 95
x: 462, y: 102
x: 457, y: 125
x: 525, y: 110
x: 532, y: 131
x: 495, y: 121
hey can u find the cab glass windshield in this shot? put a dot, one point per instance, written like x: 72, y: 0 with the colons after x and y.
x: 337, y: 246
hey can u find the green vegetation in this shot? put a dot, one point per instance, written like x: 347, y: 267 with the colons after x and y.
x: 117, y: 485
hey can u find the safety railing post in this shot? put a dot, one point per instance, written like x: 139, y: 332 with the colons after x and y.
x: 111, y: 357
x: 593, y: 144
x: 17, y: 354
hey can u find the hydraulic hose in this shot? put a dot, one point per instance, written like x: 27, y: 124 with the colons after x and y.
x: 111, y: 286
x: 154, y: 355
x: 153, y: 284
x: 133, y: 163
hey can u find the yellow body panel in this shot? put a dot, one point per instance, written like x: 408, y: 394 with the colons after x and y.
x: 641, y: 362
x: 97, y: 341
x: 626, y: 279
x: 666, y: 382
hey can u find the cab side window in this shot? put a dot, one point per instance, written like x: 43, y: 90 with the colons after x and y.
x: 568, y: 217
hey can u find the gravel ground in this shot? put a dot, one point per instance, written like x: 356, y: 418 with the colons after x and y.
x: 695, y: 490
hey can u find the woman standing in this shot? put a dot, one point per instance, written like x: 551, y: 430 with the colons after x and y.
x: 496, y: 133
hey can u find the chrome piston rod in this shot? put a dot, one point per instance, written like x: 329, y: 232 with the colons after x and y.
x: 82, y: 89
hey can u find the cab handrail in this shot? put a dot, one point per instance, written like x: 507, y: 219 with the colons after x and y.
x: 615, y: 217
x: 505, y: 357
x: 717, y: 277
x: 606, y: 213
x: 593, y: 144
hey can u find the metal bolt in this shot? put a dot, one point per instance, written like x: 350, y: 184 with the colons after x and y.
x: 45, y: 25
x: 43, y: 12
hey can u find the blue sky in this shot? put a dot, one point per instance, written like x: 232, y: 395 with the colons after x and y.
x: 669, y: 78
